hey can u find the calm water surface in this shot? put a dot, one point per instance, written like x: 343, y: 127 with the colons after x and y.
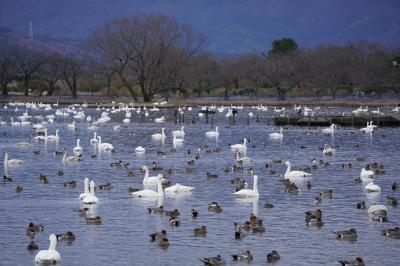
x: 123, y: 238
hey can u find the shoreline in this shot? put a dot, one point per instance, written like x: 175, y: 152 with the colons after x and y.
x: 175, y: 102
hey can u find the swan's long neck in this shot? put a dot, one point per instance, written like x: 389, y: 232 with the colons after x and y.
x: 244, y: 142
x: 57, y: 133
x: 146, y: 173
x: 216, y: 129
x: 94, y: 135
x: 255, y: 188
x: 77, y: 142
x: 288, y: 169
x: 159, y: 188
x: 99, y: 140
x: 53, y: 243
x: 162, y: 132
x: 281, y: 131
x: 65, y: 157
x: 86, y: 185
x: 182, y: 129
x: 92, y: 188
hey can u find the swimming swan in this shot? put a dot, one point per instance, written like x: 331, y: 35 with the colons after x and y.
x: 55, y: 137
x: 179, y: 133
x: 243, y: 159
x: 178, y: 188
x: 247, y: 193
x: 329, y: 130
x: 91, y: 198
x: 49, y: 256
x: 277, y: 135
x: 147, y: 193
x: 11, y: 162
x: 371, y: 187
x: 240, y: 146
x: 294, y: 174
x: 159, y: 135
x: 86, y: 189
x: 94, y: 139
x: 148, y: 180
x: 213, y: 134
x: 78, y: 149
x: 104, y: 146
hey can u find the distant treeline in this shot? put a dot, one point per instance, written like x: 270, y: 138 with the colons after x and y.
x: 149, y: 56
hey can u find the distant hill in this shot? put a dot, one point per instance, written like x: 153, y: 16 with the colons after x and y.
x: 230, y: 26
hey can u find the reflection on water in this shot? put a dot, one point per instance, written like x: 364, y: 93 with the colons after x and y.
x: 122, y: 238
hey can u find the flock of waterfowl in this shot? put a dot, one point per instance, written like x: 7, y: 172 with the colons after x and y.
x: 159, y: 186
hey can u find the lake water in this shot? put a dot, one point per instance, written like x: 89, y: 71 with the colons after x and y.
x: 123, y: 237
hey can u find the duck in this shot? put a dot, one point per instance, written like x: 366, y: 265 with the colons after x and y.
x: 179, y: 133
x: 163, y: 243
x: 157, y: 210
x: 178, y: 188
x: 244, y: 159
x: 94, y: 140
x: 108, y: 147
x: 91, y: 198
x: 246, y: 256
x: 350, y: 234
x: 174, y: 221
x: 159, y: 136
x: 32, y: 246
x: 357, y: 262
x: 273, y: 256
x: 214, y: 207
x: 140, y: 149
x: 240, y: 146
x: 78, y: 149
x: 106, y: 186
x: 392, y: 232
x: 158, y: 235
x: 147, y: 193
x: 11, y: 162
x: 249, y: 193
x: 94, y: 220
x: 371, y: 187
x: 328, y: 194
x: 215, y: 261
x: 68, y: 236
x: 200, y: 231
x: 70, y: 184
x: 294, y: 174
x: 395, y: 187
x: 32, y: 228
x: 213, y: 134
x: 19, y: 189
x: 194, y: 213
x: 361, y: 205
x: 277, y: 135
x: 328, y: 150
x: 50, y: 256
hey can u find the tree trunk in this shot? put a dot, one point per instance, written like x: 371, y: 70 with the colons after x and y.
x: 147, y: 97
x: 50, y: 90
x: 5, y: 90
x: 333, y: 93
x: 109, y: 87
x: 26, y: 86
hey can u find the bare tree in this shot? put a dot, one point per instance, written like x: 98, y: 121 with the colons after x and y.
x: 28, y: 63
x: 51, y: 71
x: 139, y: 48
x: 73, y: 68
x: 252, y: 67
x: 8, y: 69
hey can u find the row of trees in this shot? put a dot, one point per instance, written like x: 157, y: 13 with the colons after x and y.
x: 154, y: 55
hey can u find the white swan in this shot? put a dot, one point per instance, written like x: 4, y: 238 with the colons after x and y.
x: 78, y: 149
x: 159, y: 135
x: 179, y: 133
x: 94, y: 139
x: 249, y: 193
x: 147, y: 180
x: 49, y: 256
x: 148, y: 193
x: 367, y: 129
x: 11, y: 162
x: 277, y: 135
x: 15, y: 123
x: 67, y: 159
x: 213, y: 134
x: 366, y: 173
x: 126, y: 121
x: 240, y: 146
x: 23, y: 145
x: 178, y: 188
x: 244, y: 159
x: 294, y: 174
x: 91, y: 198
x: 371, y: 187
x: 329, y: 130
x: 160, y: 119
x: 328, y: 150
x: 140, y: 149
x: 72, y: 125
x: 86, y: 189
x: 177, y: 140
x: 55, y: 137
x: 104, y: 146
